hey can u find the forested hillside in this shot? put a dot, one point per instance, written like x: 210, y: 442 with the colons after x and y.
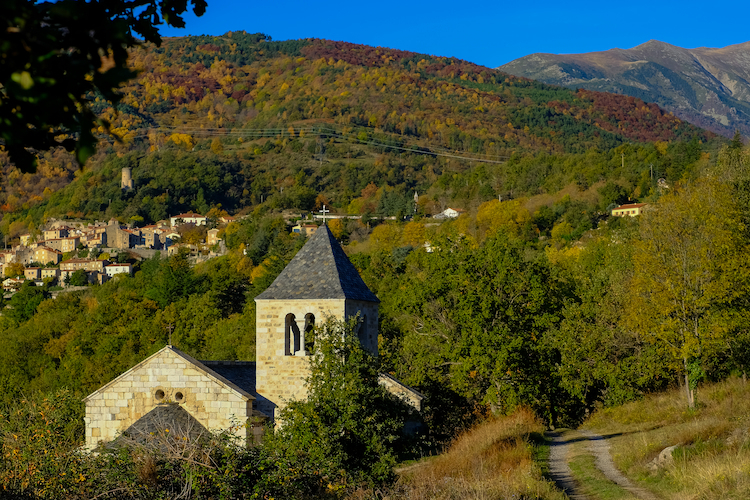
x: 236, y: 120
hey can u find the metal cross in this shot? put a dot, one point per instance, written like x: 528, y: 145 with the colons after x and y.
x: 169, y: 327
x: 324, y: 211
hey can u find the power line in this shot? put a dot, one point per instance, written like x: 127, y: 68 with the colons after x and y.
x: 326, y: 132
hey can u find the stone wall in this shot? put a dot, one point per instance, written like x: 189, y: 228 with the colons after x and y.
x: 368, y: 328
x: 168, y: 376
x: 405, y: 393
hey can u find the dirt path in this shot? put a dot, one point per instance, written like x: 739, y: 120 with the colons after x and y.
x: 561, y: 474
x: 559, y: 470
x: 600, y: 448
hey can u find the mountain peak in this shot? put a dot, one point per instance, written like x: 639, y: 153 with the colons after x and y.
x: 707, y: 87
x: 654, y: 43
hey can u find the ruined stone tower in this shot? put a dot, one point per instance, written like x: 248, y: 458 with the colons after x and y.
x: 126, y: 183
x: 318, y: 283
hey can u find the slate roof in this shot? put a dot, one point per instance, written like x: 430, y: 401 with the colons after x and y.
x: 240, y: 373
x: 152, y: 427
x: 320, y: 270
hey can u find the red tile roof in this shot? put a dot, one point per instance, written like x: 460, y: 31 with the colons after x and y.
x: 631, y: 205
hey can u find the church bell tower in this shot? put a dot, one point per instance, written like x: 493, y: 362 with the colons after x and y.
x: 320, y: 282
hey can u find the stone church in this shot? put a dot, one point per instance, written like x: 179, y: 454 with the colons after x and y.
x: 170, y: 388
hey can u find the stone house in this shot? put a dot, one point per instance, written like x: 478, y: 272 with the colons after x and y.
x: 153, y: 237
x: 64, y: 245
x: 11, y: 284
x: 56, y: 233
x: 43, y: 255
x: 32, y: 273
x: 305, y: 229
x: 94, y: 239
x: 50, y: 272
x: 318, y: 283
x: 8, y: 256
x: 116, y: 237
x: 73, y: 265
x: 630, y: 210
x: 212, y: 237
x: 24, y: 255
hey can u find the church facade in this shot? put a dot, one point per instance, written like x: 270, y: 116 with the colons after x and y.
x: 172, y: 388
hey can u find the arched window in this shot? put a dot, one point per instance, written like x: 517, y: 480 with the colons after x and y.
x: 291, y: 335
x: 309, y: 335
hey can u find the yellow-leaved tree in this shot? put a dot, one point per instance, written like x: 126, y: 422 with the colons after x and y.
x: 337, y: 227
x: 183, y: 140
x: 413, y: 234
x: 495, y: 215
x: 690, y: 263
x: 385, y: 237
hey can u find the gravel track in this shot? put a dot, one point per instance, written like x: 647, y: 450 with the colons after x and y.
x: 560, y: 472
x: 600, y: 448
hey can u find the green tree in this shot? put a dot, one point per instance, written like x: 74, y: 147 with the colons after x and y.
x: 689, y: 265
x: 601, y: 360
x: 474, y: 320
x: 55, y: 58
x: 79, y: 278
x: 733, y: 167
x: 24, y: 302
x: 349, y: 425
x: 611, y: 194
x: 174, y: 280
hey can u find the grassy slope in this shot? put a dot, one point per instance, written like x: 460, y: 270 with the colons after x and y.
x: 713, y: 456
x: 494, y: 460
x: 497, y: 459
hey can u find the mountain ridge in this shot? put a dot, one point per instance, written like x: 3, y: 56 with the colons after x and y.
x: 709, y: 87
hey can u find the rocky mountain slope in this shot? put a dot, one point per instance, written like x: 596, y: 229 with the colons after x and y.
x: 709, y: 87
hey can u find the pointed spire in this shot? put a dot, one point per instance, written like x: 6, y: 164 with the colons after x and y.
x: 320, y: 270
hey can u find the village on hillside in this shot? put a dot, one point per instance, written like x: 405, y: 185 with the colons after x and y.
x: 65, y: 253
x: 76, y: 253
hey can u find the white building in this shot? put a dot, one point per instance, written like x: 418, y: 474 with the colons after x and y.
x: 448, y: 213
x: 189, y: 218
x: 113, y: 269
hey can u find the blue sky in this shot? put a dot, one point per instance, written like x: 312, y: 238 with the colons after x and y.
x: 487, y: 33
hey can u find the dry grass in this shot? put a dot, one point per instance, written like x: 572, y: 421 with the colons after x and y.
x: 713, y: 455
x: 492, y: 461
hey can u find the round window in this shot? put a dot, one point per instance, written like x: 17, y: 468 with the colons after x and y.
x: 178, y: 396
x: 159, y: 394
